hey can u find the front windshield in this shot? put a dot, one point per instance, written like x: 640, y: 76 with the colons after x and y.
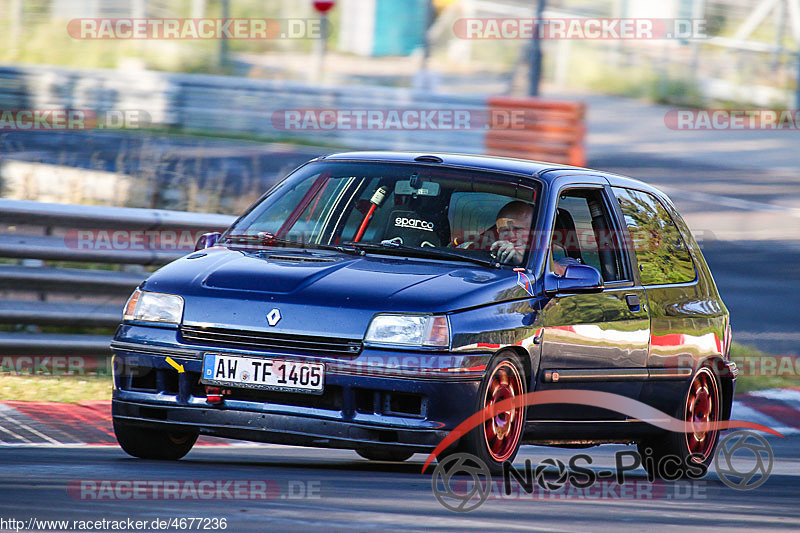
x: 412, y: 208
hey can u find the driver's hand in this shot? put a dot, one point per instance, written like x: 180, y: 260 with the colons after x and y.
x: 506, y: 252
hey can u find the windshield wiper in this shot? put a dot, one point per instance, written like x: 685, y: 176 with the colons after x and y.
x: 268, y: 239
x: 432, y: 252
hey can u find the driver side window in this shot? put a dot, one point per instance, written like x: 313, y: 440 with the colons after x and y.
x: 583, y: 234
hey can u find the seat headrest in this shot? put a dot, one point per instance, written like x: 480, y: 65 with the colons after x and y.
x: 565, y: 234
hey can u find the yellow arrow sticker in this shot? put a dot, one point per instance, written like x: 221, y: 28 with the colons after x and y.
x: 175, y: 365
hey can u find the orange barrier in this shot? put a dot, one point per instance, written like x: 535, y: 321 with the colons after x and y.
x: 533, y: 128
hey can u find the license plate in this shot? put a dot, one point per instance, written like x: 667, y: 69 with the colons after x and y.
x: 253, y: 373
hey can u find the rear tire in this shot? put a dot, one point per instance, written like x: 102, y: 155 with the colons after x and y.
x: 693, y: 449
x: 498, y: 439
x: 148, y: 443
x: 378, y: 454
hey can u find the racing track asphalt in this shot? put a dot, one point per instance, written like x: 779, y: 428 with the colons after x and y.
x: 352, y: 494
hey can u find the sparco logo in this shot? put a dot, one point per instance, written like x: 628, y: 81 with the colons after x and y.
x: 403, y: 222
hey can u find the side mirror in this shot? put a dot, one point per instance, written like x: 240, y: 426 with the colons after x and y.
x: 207, y: 240
x: 576, y: 279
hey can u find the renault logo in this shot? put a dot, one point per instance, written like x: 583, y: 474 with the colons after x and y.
x: 273, y: 317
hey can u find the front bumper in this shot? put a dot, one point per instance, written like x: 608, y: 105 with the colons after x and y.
x: 378, y: 398
x: 277, y: 428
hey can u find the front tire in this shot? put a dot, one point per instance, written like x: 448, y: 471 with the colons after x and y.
x: 497, y: 440
x: 693, y: 448
x: 148, y: 443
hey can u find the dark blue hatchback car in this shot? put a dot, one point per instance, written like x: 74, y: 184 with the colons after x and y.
x: 374, y: 301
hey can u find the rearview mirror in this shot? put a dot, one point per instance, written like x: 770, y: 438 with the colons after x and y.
x: 576, y: 279
x: 207, y: 240
x: 423, y: 188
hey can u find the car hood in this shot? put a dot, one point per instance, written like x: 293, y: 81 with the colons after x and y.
x: 234, y: 287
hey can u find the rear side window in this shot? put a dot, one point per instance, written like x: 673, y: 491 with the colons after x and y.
x: 660, y: 251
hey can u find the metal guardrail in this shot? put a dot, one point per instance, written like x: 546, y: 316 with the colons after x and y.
x: 90, y: 216
x: 236, y: 105
x: 39, y: 294
x: 554, y: 131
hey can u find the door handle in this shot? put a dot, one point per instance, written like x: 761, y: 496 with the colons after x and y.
x: 633, y: 301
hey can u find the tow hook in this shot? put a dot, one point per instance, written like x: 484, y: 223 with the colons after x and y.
x: 215, y: 395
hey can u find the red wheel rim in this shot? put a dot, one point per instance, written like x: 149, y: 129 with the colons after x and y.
x: 702, y: 405
x: 503, y: 429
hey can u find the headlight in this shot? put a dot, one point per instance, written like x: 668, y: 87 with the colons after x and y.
x: 154, y: 307
x: 411, y: 330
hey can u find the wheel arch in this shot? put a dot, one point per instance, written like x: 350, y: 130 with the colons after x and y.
x: 530, y: 363
x: 719, y: 368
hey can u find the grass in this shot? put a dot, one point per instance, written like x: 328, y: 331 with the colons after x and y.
x: 243, y: 136
x: 745, y: 384
x: 590, y: 69
x: 46, y: 40
x: 744, y: 355
x: 66, y: 389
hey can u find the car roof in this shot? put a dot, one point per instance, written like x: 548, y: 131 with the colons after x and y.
x: 547, y: 172
x: 482, y: 162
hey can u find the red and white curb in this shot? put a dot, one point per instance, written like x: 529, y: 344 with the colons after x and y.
x: 89, y: 423
x: 778, y: 409
x: 63, y: 424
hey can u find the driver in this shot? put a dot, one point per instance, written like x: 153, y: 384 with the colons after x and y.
x: 513, y: 225
x: 513, y: 231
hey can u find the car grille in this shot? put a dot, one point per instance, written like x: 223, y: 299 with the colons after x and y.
x: 273, y: 342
